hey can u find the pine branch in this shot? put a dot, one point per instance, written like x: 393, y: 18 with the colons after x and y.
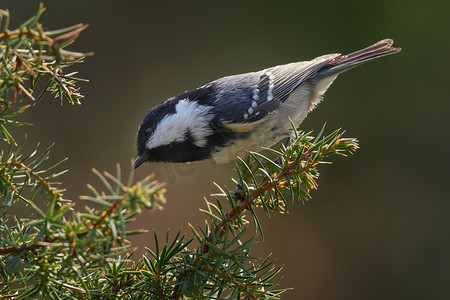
x: 299, y: 162
x: 60, y: 252
x: 30, y: 54
x: 85, y: 240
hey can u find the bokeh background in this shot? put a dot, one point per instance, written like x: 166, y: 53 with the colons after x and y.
x: 378, y: 227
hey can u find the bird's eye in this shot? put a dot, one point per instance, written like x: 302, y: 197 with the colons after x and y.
x: 148, y: 132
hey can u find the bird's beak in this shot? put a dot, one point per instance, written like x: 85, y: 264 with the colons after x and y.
x: 139, y: 161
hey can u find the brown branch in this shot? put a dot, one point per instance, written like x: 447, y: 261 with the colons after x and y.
x: 51, y: 191
x: 108, y: 212
x: 256, y: 194
x: 20, y: 89
x: 42, y: 37
x: 160, y: 287
x: 10, y: 184
x: 232, y: 215
x: 33, y: 247
x: 72, y: 34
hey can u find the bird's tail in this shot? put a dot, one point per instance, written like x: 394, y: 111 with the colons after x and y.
x: 345, y: 62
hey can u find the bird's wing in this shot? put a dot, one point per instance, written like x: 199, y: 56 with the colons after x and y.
x: 271, y: 89
x: 288, y: 77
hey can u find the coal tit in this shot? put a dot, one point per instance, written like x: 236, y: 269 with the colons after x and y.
x: 235, y: 114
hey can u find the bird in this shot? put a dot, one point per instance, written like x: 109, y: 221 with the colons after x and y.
x: 233, y: 115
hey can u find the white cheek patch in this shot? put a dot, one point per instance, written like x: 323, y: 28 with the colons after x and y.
x: 189, y: 117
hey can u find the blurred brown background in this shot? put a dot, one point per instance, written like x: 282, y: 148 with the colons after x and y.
x: 378, y: 227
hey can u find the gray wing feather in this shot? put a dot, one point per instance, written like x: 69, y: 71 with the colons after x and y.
x: 258, y: 94
x: 277, y: 83
x: 289, y: 77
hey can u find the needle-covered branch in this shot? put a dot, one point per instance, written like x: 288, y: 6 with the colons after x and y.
x: 28, y: 55
x: 266, y: 183
x: 58, y: 251
x: 53, y: 251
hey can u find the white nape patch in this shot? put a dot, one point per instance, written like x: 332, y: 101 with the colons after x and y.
x: 255, y: 94
x: 189, y: 117
x: 254, y: 104
x: 250, y: 110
